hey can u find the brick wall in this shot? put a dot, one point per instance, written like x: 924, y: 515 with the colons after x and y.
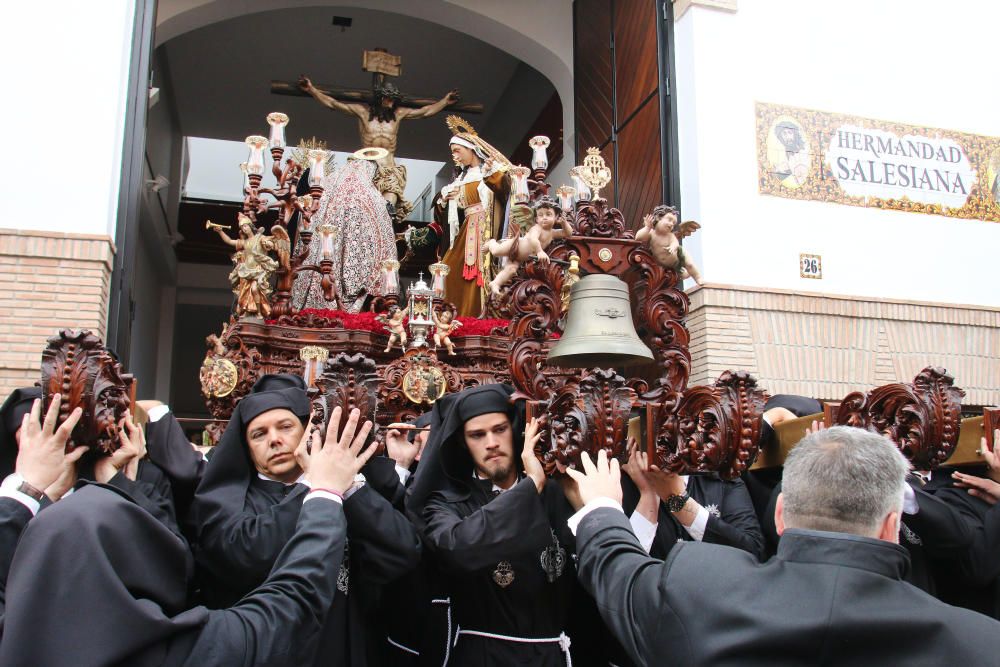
x: 827, y: 346
x: 48, y: 281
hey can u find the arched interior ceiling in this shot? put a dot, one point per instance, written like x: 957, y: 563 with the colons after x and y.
x: 222, y: 54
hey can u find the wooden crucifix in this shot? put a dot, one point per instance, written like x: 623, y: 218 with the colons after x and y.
x: 381, y: 64
x: 379, y: 112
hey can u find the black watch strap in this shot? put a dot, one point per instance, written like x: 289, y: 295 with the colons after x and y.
x: 677, y: 503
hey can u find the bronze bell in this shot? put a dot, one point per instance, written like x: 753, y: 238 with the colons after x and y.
x: 599, y: 331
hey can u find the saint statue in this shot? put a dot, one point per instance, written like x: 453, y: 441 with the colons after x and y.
x: 251, y: 275
x: 476, y: 204
x: 378, y: 125
x: 362, y: 240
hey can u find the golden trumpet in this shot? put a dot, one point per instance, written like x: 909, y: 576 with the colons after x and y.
x: 213, y: 225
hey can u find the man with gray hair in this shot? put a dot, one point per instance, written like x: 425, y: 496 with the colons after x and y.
x: 833, y: 594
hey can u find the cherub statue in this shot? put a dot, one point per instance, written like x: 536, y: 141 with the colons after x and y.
x: 517, y: 249
x: 251, y: 277
x: 658, y: 233
x: 445, y: 325
x: 394, y: 321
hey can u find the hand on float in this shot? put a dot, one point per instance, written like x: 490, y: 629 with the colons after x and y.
x: 398, y: 446
x: 990, y: 458
x: 334, y: 463
x: 600, y: 480
x: 637, y: 468
x: 133, y: 448
x: 532, y: 466
x: 41, y: 454
x: 980, y: 487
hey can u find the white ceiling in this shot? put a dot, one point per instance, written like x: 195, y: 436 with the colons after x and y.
x: 219, y: 76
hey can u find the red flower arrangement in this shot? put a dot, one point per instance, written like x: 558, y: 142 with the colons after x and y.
x: 366, y: 321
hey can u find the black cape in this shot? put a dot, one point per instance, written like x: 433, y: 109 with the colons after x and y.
x: 97, y: 581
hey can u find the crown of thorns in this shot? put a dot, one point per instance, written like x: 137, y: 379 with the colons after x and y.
x: 388, y: 90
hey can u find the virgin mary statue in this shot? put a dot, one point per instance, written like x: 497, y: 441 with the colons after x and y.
x: 363, y: 239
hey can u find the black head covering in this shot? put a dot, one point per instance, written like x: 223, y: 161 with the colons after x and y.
x: 223, y: 488
x: 420, y: 422
x: 446, y: 464
x: 96, y: 580
x: 12, y: 413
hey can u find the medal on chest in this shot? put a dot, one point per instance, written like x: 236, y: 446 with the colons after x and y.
x: 344, y: 575
x: 553, y: 559
x: 503, y: 575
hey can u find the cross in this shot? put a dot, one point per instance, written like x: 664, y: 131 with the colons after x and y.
x: 380, y: 63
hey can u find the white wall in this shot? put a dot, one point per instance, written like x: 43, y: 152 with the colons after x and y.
x: 913, y: 61
x: 64, y: 68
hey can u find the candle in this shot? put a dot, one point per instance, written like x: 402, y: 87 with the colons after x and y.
x: 277, y: 121
x: 255, y: 163
x: 539, y: 158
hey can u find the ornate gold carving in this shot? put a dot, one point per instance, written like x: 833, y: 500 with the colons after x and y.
x: 218, y: 377
x: 595, y: 172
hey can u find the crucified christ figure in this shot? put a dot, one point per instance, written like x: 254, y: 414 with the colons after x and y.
x: 378, y: 125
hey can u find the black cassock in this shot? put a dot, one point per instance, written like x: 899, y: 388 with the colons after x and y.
x: 14, y: 516
x: 97, y: 581
x: 507, y: 559
x: 243, y: 522
x: 825, y: 598
x: 509, y: 568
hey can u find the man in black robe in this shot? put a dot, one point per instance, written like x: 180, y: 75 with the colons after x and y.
x: 169, y: 448
x: 499, y: 532
x: 246, y: 509
x: 40, y: 461
x: 141, y: 479
x: 833, y: 594
x: 97, y: 581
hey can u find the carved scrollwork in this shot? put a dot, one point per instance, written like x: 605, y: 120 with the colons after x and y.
x: 76, y: 365
x: 534, y: 303
x: 587, y: 416
x: 413, y: 382
x: 713, y: 428
x: 246, y: 359
x: 922, y: 417
x: 660, y: 308
x: 308, y: 320
x: 597, y: 219
x: 348, y: 381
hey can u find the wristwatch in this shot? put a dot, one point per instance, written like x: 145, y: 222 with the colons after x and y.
x: 30, y: 491
x: 677, y: 503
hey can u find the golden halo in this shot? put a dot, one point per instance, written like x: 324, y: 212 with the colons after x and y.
x: 371, y: 153
x: 459, y: 125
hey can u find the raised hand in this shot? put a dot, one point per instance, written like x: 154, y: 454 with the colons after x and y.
x: 42, y: 448
x: 637, y: 468
x: 600, y: 480
x: 666, y: 484
x: 990, y: 457
x: 305, y: 84
x: 133, y: 448
x: 333, y: 463
x: 452, y: 96
x: 532, y: 466
x: 399, y: 448
x: 980, y: 487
